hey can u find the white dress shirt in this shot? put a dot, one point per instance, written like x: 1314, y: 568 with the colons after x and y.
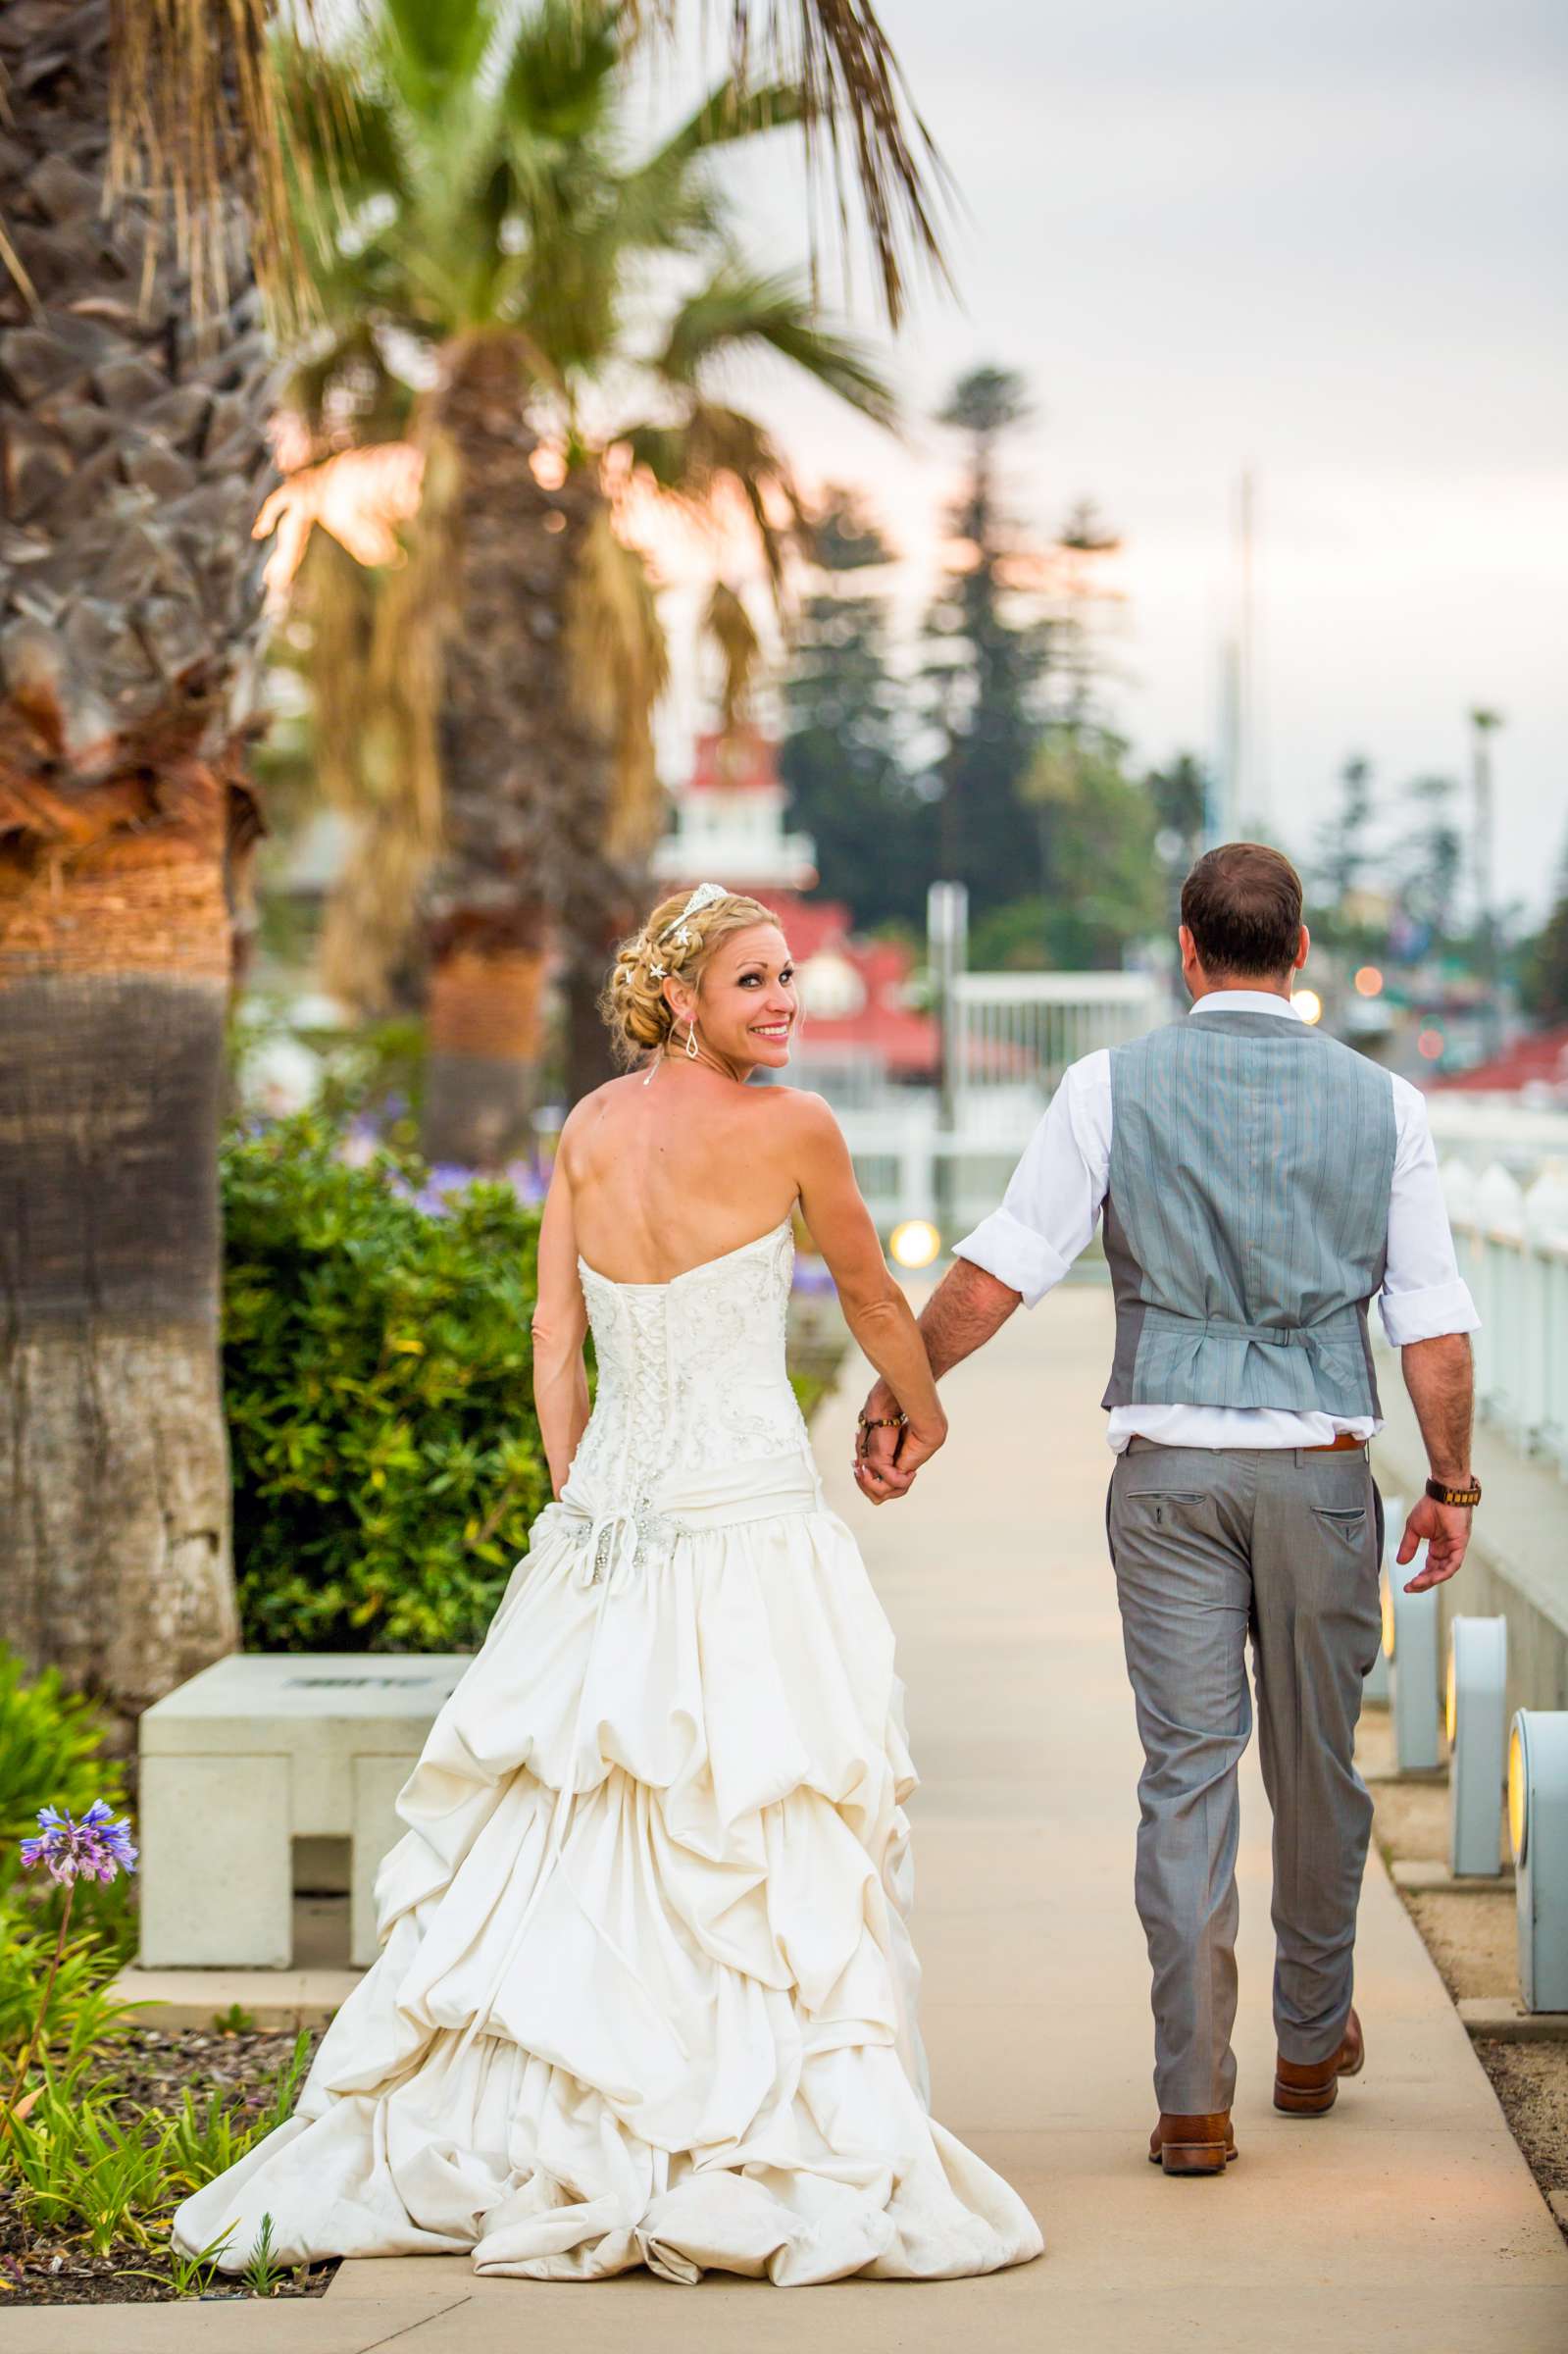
x: 1054, y: 1201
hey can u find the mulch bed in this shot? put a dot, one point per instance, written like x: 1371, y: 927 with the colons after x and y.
x: 1531, y: 2081
x: 155, y: 2066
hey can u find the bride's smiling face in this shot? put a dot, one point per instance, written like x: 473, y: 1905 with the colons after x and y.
x: 746, y: 1001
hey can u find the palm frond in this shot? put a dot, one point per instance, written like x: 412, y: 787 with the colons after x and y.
x: 860, y: 121
x: 376, y: 667
x: 343, y: 145
x: 731, y: 627
x: 737, y: 307
x: 197, y: 116
x: 712, y: 445
x: 562, y: 57
x: 620, y: 667
x: 669, y: 202
x: 725, y: 114
x: 433, y: 48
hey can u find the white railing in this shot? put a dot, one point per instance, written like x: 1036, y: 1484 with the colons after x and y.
x: 1512, y: 1245
x: 906, y: 1167
x: 1016, y: 1032
x: 1481, y: 1129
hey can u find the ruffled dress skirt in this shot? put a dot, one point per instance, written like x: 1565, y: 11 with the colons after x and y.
x: 646, y: 1992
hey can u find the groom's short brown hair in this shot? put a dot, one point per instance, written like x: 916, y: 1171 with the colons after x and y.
x: 1243, y: 905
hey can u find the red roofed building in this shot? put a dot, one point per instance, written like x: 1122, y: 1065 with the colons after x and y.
x: 859, y: 1026
x: 1535, y: 1064
x: 730, y: 821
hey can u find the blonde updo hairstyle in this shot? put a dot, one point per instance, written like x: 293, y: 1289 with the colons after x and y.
x: 638, y: 1016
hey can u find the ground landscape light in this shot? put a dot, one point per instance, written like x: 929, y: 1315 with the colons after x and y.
x: 1517, y: 1818
x: 1310, y: 1005
x: 913, y: 1242
x: 1478, y: 1717
x: 1538, y: 1823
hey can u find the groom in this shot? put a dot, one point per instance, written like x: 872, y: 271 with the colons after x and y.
x: 1259, y: 1183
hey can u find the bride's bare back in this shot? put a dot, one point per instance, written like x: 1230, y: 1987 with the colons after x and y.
x: 665, y: 1174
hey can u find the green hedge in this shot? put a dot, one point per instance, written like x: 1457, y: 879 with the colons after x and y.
x: 378, y: 1386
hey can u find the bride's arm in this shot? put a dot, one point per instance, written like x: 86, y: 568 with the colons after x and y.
x: 875, y: 1309
x: 560, y: 1326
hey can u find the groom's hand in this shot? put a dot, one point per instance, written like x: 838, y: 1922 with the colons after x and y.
x: 1447, y: 1530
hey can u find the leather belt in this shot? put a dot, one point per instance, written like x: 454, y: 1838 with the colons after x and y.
x: 1336, y: 1445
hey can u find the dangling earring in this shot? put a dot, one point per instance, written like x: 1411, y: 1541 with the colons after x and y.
x: 691, y: 1042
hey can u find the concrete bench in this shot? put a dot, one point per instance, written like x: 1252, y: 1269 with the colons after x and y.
x: 258, y: 1751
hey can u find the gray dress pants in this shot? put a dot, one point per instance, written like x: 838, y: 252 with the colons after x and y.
x: 1210, y: 1545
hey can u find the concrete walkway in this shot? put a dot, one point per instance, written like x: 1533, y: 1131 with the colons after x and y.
x: 1406, y: 2219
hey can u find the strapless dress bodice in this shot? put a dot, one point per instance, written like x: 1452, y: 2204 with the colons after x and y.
x: 694, y: 1418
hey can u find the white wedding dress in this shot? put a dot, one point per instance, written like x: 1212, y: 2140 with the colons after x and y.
x: 646, y: 1992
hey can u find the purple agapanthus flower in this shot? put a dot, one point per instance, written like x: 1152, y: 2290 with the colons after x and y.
x: 95, y: 1848
x: 528, y: 1181
x: 448, y: 1177
x: 358, y: 1143
x: 811, y: 1276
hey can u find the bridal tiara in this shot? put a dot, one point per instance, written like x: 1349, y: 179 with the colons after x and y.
x: 703, y: 896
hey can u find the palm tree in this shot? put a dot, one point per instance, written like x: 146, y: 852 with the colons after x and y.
x: 128, y: 636
x: 134, y: 387
x: 483, y: 206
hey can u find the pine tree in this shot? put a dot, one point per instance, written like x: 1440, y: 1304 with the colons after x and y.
x: 842, y: 756
x: 1546, y: 970
x: 1430, y: 858
x: 985, y: 668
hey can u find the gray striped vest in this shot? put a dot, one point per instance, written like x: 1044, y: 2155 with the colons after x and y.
x: 1247, y: 1218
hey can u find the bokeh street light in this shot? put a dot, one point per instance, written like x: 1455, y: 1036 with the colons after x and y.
x: 913, y: 1242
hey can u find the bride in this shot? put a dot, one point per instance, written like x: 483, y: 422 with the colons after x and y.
x: 646, y: 1992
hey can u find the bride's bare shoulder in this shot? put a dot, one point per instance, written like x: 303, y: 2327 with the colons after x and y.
x: 797, y: 1112
x: 589, y: 1113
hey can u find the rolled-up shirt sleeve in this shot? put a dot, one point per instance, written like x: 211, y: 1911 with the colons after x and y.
x: 1054, y: 1197
x: 1424, y: 1295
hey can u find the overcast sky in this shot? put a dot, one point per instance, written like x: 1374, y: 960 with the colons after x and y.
x: 1325, y: 243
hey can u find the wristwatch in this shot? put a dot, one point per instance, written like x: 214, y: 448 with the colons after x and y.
x: 1469, y: 1494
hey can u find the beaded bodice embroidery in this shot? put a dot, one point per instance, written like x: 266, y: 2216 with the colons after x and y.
x: 691, y: 1374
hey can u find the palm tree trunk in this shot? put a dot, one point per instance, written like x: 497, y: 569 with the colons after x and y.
x: 518, y: 761
x: 115, y: 954
x: 130, y: 629
x: 485, y: 1042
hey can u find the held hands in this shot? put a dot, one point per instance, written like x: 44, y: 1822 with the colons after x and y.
x: 889, y: 1449
x: 1447, y: 1530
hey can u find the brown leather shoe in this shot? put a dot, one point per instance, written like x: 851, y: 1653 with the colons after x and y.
x: 1192, y: 2145
x: 1312, y: 2092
